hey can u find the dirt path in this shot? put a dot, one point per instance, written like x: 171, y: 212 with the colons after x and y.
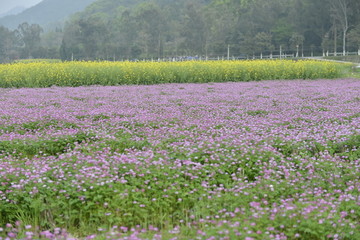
x: 357, y: 65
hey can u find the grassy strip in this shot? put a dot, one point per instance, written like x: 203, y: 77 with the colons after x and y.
x: 44, y: 74
x: 349, y: 149
x: 48, y: 147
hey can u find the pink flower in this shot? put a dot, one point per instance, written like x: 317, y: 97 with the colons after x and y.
x: 11, y: 235
x: 255, y: 204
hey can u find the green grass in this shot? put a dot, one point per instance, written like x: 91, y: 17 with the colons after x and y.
x: 52, y: 147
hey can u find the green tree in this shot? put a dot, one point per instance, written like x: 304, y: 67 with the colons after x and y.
x: 7, y: 45
x: 150, y: 28
x: 312, y: 20
x: 93, y: 36
x: 296, y: 41
x: 51, y: 42
x: 193, y: 30
x: 222, y: 29
x: 340, y: 12
x: 86, y: 38
x: 263, y: 42
x: 354, y: 37
x: 29, y: 36
x: 119, y: 29
x: 124, y: 35
x: 71, y: 43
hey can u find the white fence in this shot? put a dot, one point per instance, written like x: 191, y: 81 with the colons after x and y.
x: 278, y: 55
x: 328, y: 54
x: 244, y: 57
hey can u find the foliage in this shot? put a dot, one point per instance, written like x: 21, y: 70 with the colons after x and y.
x: 124, y: 29
x: 29, y: 36
x: 7, y: 45
x: 354, y: 36
x: 45, y: 74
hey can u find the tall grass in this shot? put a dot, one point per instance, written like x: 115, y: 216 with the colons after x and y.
x: 45, y: 74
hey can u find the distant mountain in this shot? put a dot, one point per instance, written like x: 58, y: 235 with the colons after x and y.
x: 13, y: 11
x: 46, y: 12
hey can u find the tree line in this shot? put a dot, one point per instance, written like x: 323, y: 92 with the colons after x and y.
x: 136, y: 29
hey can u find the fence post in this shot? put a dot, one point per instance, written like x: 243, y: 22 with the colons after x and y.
x: 359, y: 51
x: 302, y: 50
x: 228, y: 52
x: 297, y: 50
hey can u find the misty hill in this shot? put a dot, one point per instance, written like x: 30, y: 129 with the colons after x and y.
x: 46, y: 12
x: 108, y: 6
x: 107, y: 9
x: 110, y: 10
x: 13, y: 11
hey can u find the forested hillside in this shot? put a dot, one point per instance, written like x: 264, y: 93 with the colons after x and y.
x: 130, y: 29
x: 46, y: 12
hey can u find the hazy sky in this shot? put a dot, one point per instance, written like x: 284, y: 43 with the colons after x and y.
x: 6, y: 5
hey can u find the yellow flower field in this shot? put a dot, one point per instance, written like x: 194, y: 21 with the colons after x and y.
x: 45, y: 74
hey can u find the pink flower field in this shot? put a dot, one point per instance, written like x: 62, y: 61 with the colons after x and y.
x: 247, y: 160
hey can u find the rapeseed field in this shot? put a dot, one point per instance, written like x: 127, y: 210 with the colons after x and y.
x: 46, y: 74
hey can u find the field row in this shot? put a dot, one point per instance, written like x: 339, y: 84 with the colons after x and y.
x: 253, y: 160
x: 46, y: 74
